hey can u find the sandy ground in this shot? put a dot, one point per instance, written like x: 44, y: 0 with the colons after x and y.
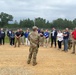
x: 51, y: 61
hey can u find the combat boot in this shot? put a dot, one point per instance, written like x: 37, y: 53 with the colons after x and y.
x: 34, y: 64
x: 28, y: 62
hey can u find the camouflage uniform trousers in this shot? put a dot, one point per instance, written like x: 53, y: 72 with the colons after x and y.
x: 32, y: 54
x: 74, y: 43
x: 17, y: 40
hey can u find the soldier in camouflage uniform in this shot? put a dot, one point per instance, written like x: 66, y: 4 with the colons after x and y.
x: 34, y: 45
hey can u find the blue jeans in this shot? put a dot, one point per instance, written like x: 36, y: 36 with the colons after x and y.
x: 65, y: 44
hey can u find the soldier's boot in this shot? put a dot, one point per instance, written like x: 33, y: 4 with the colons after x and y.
x: 34, y: 64
x: 29, y: 58
x: 28, y: 62
x: 73, y: 52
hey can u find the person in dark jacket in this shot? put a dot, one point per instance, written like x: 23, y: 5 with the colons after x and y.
x: 53, y: 36
x: 22, y: 37
x: 2, y: 36
x: 8, y: 34
x: 17, y: 38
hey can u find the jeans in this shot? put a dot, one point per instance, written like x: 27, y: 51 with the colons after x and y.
x: 12, y: 41
x: 65, y: 44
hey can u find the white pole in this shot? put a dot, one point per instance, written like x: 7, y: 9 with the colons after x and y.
x: 34, y: 22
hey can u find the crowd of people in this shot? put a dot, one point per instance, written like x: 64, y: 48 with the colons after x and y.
x: 19, y: 37
x: 53, y: 37
x: 39, y: 37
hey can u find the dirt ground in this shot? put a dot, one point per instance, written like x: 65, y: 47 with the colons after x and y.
x: 51, y: 61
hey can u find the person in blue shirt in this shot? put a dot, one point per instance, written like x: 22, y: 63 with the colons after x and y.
x: 26, y: 34
x: 46, y: 38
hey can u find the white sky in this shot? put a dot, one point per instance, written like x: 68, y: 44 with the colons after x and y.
x: 47, y: 9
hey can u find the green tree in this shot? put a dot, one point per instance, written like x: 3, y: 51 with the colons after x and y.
x: 58, y: 23
x: 5, y: 18
x: 40, y: 22
x: 74, y: 23
x: 62, y: 24
x: 27, y: 23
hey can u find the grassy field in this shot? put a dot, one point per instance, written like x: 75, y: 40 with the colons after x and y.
x: 6, y: 39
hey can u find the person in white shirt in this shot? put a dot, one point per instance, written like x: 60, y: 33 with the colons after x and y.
x: 59, y: 39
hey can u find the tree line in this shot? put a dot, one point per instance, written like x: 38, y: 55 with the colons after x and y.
x: 40, y: 22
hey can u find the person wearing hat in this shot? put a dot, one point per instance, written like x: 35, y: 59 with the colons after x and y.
x: 34, y: 45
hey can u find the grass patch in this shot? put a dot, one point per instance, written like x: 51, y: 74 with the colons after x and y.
x: 6, y: 39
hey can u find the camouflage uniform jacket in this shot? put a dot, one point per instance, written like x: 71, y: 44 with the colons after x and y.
x: 34, y: 39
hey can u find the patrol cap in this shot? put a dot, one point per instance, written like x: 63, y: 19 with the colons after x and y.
x: 34, y: 27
